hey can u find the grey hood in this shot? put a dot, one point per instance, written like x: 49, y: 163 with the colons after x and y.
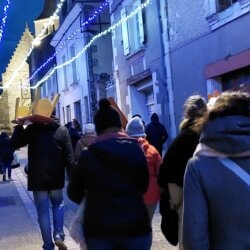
x: 228, y: 135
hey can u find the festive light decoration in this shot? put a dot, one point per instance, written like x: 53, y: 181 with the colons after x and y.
x: 88, y: 21
x: 5, y: 16
x: 103, y: 33
x: 35, y: 41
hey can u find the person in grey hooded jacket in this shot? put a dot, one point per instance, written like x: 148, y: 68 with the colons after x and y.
x: 216, y: 186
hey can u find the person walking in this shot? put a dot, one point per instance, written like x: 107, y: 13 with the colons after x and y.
x: 86, y: 140
x: 6, y: 155
x: 217, y: 180
x: 112, y: 175
x: 135, y: 129
x: 156, y: 133
x: 173, y: 168
x: 49, y: 152
x: 73, y: 133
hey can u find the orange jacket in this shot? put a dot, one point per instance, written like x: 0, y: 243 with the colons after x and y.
x: 154, y: 161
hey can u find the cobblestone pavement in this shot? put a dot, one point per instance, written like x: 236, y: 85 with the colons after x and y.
x: 159, y: 242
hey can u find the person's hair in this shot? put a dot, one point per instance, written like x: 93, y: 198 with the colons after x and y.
x: 231, y: 103
x: 195, y: 111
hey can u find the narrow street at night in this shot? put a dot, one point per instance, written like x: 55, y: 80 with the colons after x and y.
x: 124, y: 124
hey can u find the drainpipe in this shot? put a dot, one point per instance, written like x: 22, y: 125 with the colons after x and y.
x: 167, y: 72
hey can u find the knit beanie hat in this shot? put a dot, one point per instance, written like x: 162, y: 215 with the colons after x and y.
x: 135, y: 128
x: 89, y: 128
x: 106, y: 117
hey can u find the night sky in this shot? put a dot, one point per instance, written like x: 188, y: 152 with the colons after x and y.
x: 19, y: 12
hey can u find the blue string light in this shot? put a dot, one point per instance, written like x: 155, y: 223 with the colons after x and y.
x: 5, y: 16
x: 88, y: 21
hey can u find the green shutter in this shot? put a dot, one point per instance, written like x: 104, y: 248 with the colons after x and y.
x: 125, y: 34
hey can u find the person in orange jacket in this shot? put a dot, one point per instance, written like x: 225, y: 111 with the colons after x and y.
x: 135, y: 129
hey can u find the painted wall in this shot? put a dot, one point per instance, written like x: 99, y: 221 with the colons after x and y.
x: 193, y: 45
x: 128, y: 97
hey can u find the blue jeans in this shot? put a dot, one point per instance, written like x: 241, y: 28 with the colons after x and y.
x: 130, y: 243
x: 6, y: 165
x: 42, y: 199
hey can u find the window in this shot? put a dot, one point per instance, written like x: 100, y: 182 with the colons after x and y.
x: 150, y: 103
x: 44, y: 90
x: 54, y: 83
x: 236, y: 79
x: 63, y: 114
x: 224, y: 4
x: 78, y: 112
x: 49, y: 85
x: 86, y: 104
x: 68, y: 113
x: 133, y: 29
x: 65, y: 73
x: 73, y: 64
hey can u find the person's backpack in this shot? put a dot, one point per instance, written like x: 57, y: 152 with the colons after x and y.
x: 170, y: 219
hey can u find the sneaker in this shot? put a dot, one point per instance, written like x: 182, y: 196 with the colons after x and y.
x: 59, y: 242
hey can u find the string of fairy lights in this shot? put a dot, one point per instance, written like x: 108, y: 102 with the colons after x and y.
x: 69, y: 38
x: 5, y: 16
x: 34, y: 42
x: 103, y: 33
x: 98, y: 36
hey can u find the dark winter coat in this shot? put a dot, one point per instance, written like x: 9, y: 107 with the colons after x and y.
x: 112, y: 174
x: 6, y: 151
x: 49, y: 152
x: 75, y: 136
x: 156, y: 134
x: 216, y: 200
x: 175, y: 161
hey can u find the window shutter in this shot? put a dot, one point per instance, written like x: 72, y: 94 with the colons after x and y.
x: 141, y: 26
x: 125, y: 34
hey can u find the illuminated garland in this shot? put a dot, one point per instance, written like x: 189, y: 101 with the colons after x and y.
x: 35, y: 41
x: 5, y: 11
x: 88, y: 21
x: 103, y: 33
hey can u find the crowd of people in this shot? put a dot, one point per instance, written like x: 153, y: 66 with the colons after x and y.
x: 119, y: 177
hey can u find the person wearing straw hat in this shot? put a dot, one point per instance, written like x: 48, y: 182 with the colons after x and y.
x: 49, y: 153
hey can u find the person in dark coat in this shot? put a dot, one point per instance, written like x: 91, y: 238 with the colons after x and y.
x: 156, y: 133
x: 173, y: 168
x: 49, y: 153
x: 6, y: 155
x: 217, y: 180
x: 75, y: 136
x: 112, y: 175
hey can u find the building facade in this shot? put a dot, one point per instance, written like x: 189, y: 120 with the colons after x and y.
x: 9, y: 95
x: 208, y: 47
x: 139, y: 64
x: 85, y: 80
x: 42, y: 51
